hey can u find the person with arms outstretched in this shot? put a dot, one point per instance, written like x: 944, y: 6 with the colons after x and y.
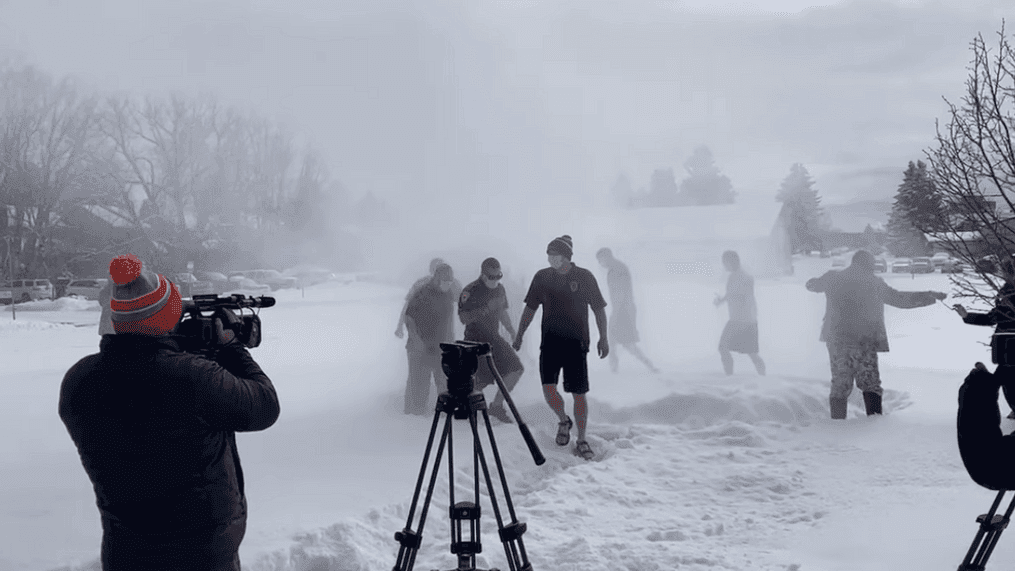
x: 854, y: 328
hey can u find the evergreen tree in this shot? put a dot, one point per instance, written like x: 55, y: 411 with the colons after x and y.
x: 621, y: 192
x: 916, y: 211
x: 663, y: 188
x: 801, y: 212
x: 705, y: 184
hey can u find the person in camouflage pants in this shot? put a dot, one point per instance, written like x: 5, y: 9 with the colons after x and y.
x: 851, y: 363
x: 854, y: 328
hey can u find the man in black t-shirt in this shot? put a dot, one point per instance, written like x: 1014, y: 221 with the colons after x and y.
x: 566, y: 293
x: 482, y: 307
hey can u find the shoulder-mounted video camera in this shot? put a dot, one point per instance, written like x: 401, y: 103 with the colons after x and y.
x: 196, y: 329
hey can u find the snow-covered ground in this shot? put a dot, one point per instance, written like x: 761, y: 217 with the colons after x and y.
x: 695, y: 470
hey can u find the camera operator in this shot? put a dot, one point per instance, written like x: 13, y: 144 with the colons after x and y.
x: 987, y: 453
x: 155, y: 425
x: 1002, y: 343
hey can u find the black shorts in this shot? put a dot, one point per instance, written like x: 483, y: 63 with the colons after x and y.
x: 571, y: 358
x: 504, y: 358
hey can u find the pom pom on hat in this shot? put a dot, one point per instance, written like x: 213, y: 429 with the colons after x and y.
x: 125, y: 269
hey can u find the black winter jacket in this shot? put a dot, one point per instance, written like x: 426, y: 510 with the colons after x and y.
x: 988, y: 454
x: 1002, y: 314
x: 154, y: 427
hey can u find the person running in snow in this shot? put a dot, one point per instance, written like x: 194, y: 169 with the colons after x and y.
x: 429, y: 319
x: 741, y: 331
x: 1002, y: 343
x: 155, y: 429
x: 456, y: 288
x: 482, y: 307
x: 854, y: 328
x: 566, y: 293
x: 623, y: 316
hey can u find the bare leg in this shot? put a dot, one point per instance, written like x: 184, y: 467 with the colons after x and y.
x: 581, y: 413
x: 555, y: 401
x: 727, y: 361
x: 636, y: 351
x: 759, y: 365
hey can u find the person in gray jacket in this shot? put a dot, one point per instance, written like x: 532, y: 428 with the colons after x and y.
x: 854, y: 328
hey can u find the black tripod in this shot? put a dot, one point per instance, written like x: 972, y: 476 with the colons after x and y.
x: 991, y: 526
x: 460, y: 360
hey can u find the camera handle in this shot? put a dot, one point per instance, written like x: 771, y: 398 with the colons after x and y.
x: 991, y: 526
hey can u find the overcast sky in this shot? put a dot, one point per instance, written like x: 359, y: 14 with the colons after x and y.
x: 491, y: 98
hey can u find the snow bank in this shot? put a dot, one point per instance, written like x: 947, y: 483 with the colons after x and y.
x: 69, y: 303
x: 705, y: 478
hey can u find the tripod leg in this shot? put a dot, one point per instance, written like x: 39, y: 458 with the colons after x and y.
x: 511, y: 534
x: 991, y: 526
x: 408, y: 539
x: 994, y: 534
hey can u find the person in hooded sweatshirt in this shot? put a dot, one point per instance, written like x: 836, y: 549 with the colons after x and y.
x: 155, y: 429
x: 854, y: 328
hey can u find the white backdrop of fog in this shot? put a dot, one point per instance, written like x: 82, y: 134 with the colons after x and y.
x: 511, y: 119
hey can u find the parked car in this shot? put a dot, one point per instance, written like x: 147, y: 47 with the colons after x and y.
x: 86, y: 288
x: 189, y: 285
x: 219, y: 282
x: 901, y: 266
x: 309, y: 275
x: 271, y: 278
x: 838, y: 262
x: 241, y: 283
x: 953, y: 266
x: 6, y: 293
x: 940, y: 258
x: 880, y: 265
x: 921, y: 265
x: 30, y: 290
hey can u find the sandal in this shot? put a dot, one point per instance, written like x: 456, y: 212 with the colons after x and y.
x: 564, y: 431
x: 584, y: 450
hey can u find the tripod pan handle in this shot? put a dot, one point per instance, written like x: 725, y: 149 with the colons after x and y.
x: 537, y: 454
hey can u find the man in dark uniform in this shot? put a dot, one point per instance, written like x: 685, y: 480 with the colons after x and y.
x: 566, y: 293
x: 482, y: 307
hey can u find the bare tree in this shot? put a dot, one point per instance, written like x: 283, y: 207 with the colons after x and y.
x: 46, y: 134
x: 161, y: 159
x: 973, y: 169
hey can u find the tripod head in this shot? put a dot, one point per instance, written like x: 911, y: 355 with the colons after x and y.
x: 460, y: 361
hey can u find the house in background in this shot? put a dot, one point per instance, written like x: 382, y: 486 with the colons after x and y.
x: 689, y: 240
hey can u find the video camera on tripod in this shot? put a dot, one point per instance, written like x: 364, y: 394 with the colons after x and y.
x: 196, y: 328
